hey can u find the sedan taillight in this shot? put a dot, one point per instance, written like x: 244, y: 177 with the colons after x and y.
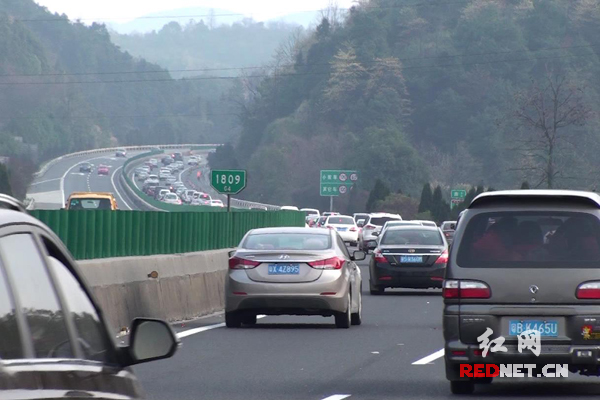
x: 370, y: 227
x: 443, y: 258
x: 241, y: 263
x: 379, y: 258
x: 330, y: 263
x: 353, y: 229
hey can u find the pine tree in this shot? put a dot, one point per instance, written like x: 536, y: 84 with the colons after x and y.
x: 379, y: 192
x: 5, y: 180
x: 426, y: 198
x: 440, y: 209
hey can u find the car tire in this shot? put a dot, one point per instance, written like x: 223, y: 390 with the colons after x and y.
x: 232, y: 320
x: 249, y: 320
x: 356, y: 318
x: 462, y: 387
x: 343, y: 320
x: 376, y: 290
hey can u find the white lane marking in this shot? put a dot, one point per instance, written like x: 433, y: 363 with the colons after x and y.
x: 338, y: 397
x: 88, y: 182
x: 40, y: 182
x: 194, y: 331
x: 112, y: 179
x: 62, y: 178
x: 430, y: 358
x: 181, y: 173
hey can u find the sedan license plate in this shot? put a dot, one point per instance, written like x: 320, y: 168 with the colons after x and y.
x: 342, y: 229
x: 545, y: 328
x: 284, y: 269
x: 411, y: 259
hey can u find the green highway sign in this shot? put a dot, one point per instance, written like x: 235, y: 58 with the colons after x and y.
x: 228, y: 181
x: 458, y: 194
x: 337, y: 182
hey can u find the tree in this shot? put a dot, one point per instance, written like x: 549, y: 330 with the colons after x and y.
x: 440, y: 209
x: 525, y: 185
x: 5, y: 180
x: 426, y: 198
x: 379, y: 193
x: 547, y: 114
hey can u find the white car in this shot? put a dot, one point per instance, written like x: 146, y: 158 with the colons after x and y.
x: 311, y: 211
x: 217, y: 203
x: 345, y: 226
x: 152, y: 180
x: 366, y: 240
x: 289, y: 208
x: 171, y: 179
x: 379, y: 232
x: 171, y: 198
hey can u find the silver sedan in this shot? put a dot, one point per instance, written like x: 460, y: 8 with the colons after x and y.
x: 293, y: 271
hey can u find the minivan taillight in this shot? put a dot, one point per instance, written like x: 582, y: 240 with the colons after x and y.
x: 443, y: 258
x: 330, y: 263
x: 589, y: 290
x: 241, y: 263
x: 455, y: 289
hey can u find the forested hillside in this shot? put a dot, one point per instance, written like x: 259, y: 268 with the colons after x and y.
x: 66, y: 87
x: 197, y: 46
x: 489, y: 92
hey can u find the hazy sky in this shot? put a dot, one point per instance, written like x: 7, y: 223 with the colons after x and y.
x: 124, y: 10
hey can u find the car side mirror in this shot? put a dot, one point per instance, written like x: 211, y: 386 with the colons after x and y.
x: 375, y: 234
x: 151, y: 339
x: 359, y: 256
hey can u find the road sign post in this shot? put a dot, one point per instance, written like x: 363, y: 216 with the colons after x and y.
x: 228, y: 182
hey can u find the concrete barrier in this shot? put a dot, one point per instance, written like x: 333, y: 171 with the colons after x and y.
x: 188, y: 286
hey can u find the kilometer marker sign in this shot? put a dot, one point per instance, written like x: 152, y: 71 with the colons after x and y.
x: 228, y: 181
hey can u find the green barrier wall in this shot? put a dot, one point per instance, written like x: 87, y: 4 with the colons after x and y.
x: 102, y: 234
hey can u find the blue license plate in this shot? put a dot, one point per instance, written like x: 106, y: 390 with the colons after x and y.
x: 342, y: 229
x: 411, y: 259
x: 284, y: 269
x: 546, y: 328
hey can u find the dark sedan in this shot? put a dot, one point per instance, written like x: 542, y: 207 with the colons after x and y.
x: 85, y: 167
x: 408, y: 257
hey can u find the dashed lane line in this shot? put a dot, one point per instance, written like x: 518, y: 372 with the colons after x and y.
x: 194, y: 331
x: 430, y: 358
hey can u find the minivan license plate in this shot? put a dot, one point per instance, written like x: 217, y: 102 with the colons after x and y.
x: 284, y: 269
x: 545, y: 328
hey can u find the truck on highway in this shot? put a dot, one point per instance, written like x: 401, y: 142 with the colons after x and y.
x: 91, y: 201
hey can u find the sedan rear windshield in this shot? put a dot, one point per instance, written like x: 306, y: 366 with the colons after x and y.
x: 287, y: 241
x: 341, y: 220
x: 380, y: 221
x: 416, y: 237
x: 531, y: 240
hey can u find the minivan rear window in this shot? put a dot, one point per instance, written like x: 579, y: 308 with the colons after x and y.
x: 531, y: 239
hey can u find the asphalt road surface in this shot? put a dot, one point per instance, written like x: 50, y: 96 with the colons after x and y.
x: 394, y: 354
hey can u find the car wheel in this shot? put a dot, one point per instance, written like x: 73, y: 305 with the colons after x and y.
x: 249, y: 320
x: 343, y: 320
x: 357, y: 316
x: 376, y: 290
x: 462, y: 387
x: 232, y: 320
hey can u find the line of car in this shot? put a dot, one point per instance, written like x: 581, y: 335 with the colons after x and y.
x: 164, y: 186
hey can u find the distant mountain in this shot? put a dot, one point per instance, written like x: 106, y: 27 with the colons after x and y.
x: 149, y: 23
x: 305, y: 19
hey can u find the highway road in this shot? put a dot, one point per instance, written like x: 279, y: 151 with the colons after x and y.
x: 51, y: 190
x: 394, y: 354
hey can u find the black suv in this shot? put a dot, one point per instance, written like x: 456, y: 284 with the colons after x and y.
x: 524, y: 263
x: 53, y: 337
